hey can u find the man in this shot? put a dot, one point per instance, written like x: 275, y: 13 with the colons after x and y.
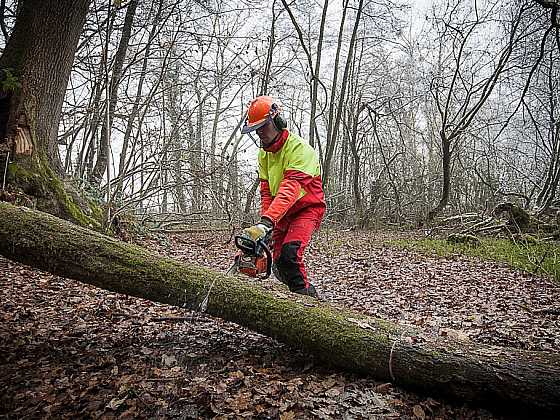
x: 292, y: 199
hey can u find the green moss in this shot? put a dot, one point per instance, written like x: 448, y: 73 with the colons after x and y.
x: 96, y: 210
x: 10, y: 83
x: 21, y: 174
x: 36, y: 179
x: 77, y: 213
x: 533, y: 256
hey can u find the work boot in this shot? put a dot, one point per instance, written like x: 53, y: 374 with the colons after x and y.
x: 309, y: 291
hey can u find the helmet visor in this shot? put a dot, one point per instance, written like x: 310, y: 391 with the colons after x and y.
x: 248, y: 127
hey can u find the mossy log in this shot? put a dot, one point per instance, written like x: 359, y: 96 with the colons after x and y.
x: 484, y: 374
x: 518, y: 218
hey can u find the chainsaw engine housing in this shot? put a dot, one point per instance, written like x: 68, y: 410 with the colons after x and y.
x: 254, y: 258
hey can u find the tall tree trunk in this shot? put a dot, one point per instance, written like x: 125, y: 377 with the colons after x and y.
x: 197, y: 161
x: 263, y: 89
x: 331, y: 115
x: 216, y: 168
x: 102, y: 157
x: 85, y: 157
x: 314, y: 70
x: 356, y: 185
x: 446, y: 184
x: 335, y: 125
x: 250, y: 197
x: 40, y: 53
x: 315, y: 82
x: 133, y: 115
x: 514, y: 379
x: 173, y: 109
x: 195, y: 165
x: 178, y: 174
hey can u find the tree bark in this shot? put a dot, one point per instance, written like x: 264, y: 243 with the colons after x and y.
x: 332, y: 139
x: 316, y: 72
x: 39, y: 54
x: 125, y: 157
x: 263, y: 89
x: 446, y: 182
x: 498, y: 377
x: 331, y: 115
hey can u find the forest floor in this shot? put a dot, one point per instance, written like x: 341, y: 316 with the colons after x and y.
x: 70, y: 350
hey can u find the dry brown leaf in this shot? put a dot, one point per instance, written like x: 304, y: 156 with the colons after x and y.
x: 287, y: 415
x: 383, y: 388
x: 116, y: 402
x: 454, y: 334
x: 418, y: 412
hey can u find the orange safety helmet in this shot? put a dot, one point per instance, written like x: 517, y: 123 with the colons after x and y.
x: 262, y: 110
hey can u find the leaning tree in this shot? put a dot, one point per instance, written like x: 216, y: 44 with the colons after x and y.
x: 35, y: 68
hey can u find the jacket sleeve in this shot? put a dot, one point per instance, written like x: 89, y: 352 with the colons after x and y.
x: 288, y: 193
x: 266, y: 196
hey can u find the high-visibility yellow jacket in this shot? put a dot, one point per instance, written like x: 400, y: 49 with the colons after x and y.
x: 290, y: 177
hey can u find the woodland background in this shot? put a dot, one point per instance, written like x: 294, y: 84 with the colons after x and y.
x: 414, y: 109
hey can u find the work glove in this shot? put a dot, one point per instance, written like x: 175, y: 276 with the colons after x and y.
x: 258, y: 231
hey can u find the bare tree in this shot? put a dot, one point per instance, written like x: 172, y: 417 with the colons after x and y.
x: 459, y: 95
x: 113, y: 88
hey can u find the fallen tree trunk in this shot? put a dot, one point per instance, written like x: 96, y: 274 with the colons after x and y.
x: 490, y: 375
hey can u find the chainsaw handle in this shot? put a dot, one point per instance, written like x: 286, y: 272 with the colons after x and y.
x: 245, y: 244
x: 248, y: 246
x: 268, y: 262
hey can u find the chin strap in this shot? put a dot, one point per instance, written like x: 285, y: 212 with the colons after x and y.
x: 262, y: 146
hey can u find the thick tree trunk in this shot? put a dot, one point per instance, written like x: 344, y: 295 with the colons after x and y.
x: 39, y: 54
x: 514, y: 379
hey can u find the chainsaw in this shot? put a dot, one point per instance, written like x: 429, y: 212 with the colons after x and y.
x: 254, y: 258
